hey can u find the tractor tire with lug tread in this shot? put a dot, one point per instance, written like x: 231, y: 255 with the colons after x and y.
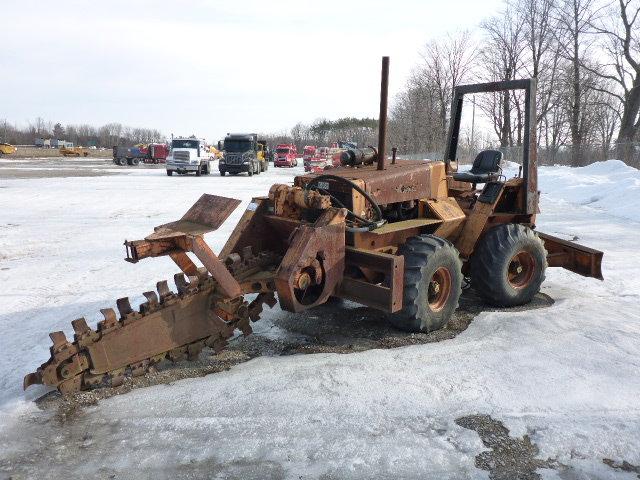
x: 432, y: 284
x: 508, y: 265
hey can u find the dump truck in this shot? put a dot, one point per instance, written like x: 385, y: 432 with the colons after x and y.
x: 243, y: 152
x: 147, y: 153
x: 395, y: 235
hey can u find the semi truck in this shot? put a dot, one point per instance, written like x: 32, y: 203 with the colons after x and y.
x: 243, y: 152
x: 189, y: 155
x: 286, y: 155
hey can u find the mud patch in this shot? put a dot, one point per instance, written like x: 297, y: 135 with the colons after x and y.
x: 623, y: 466
x: 508, y: 458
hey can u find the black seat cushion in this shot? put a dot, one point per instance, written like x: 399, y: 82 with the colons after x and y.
x: 471, y: 178
x: 485, y: 166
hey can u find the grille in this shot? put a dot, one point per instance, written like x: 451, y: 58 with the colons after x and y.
x: 233, y: 158
x: 181, y: 156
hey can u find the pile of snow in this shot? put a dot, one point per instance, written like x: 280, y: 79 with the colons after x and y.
x: 611, y: 186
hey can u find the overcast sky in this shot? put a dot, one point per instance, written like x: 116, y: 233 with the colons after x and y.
x: 210, y: 67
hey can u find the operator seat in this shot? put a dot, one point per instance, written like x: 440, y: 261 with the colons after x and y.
x: 485, y: 167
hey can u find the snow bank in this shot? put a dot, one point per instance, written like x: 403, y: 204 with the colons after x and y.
x: 611, y: 187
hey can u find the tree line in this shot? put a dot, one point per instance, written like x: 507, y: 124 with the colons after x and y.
x: 106, y: 136
x: 323, y: 132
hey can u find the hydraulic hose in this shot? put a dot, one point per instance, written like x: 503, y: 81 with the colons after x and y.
x: 369, y: 224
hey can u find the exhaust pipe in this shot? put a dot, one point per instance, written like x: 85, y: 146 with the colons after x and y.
x: 382, y: 119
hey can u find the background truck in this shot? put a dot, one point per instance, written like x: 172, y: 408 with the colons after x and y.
x: 243, y: 152
x: 151, y: 153
x: 74, y: 152
x: 308, y: 153
x: 286, y: 155
x: 189, y: 155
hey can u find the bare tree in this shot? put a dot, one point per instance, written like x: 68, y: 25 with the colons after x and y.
x: 620, y: 28
x: 445, y: 64
x: 502, y: 59
x: 574, y: 19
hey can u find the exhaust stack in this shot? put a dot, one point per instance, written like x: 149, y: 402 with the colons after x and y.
x: 382, y: 119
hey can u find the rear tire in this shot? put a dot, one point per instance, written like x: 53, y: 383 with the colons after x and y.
x: 169, y: 173
x: 508, y: 265
x: 135, y: 162
x: 122, y: 162
x: 250, y: 172
x: 432, y: 284
x: 199, y: 171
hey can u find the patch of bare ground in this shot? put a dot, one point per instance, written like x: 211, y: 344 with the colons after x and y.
x: 623, y: 466
x: 509, y: 458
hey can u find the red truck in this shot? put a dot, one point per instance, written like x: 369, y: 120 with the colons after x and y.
x: 307, y: 154
x: 324, y: 159
x: 286, y: 155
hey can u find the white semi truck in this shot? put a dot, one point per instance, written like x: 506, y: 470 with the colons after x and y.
x: 189, y: 155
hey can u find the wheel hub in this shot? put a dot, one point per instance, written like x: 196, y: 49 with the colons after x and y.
x: 521, y: 268
x: 439, y: 289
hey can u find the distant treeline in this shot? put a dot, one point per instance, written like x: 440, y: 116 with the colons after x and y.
x: 323, y: 132
x: 83, y: 134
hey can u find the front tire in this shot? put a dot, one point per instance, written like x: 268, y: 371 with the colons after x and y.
x: 199, y: 171
x: 122, y: 162
x: 508, y: 265
x: 169, y: 173
x: 222, y: 173
x: 135, y: 162
x: 432, y: 284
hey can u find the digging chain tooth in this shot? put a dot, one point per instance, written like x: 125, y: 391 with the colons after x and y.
x: 181, y: 284
x: 59, y: 340
x: 255, y: 307
x: 151, y: 304
x: 124, y: 307
x: 84, y: 335
x: 127, y: 314
x: 110, y: 321
x: 163, y: 291
x: 32, y: 378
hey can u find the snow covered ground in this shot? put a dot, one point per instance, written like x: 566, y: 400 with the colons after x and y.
x: 568, y: 375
